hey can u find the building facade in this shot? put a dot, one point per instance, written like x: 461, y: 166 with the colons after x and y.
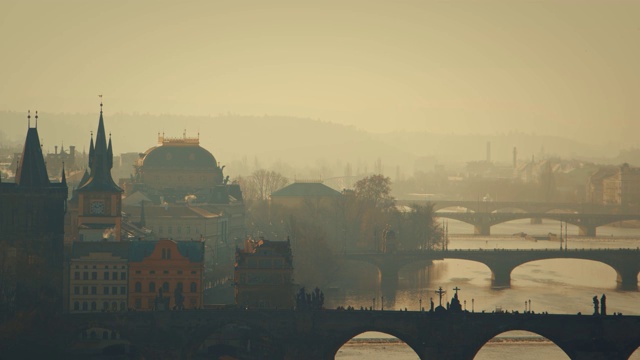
x: 165, y: 274
x: 99, y: 275
x: 264, y: 275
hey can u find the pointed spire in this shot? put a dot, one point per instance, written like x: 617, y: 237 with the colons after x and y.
x: 31, y: 169
x: 100, y: 161
x: 110, y: 154
x: 63, y: 180
x: 91, y: 151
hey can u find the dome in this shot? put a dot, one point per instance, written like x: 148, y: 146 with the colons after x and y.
x: 179, y: 157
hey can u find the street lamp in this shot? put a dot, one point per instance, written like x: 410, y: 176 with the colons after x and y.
x: 420, y: 308
x: 465, y: 305
x: 530, y: 306
x: 374, y: 303
x: 472, y: 305
x: 382, y: 303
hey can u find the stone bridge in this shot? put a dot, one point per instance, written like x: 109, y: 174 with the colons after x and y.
x: 289, y: 334
x: 524, y: 206
x: 626, y: 262
x: 587, y: 223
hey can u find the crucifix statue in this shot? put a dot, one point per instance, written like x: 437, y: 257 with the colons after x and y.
x: 456, y: 289
x: 440, y: 292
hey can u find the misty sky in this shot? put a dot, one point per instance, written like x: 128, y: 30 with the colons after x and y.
x: 549, y: 67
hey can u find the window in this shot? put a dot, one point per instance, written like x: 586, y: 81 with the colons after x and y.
x: 123, y: 306
x: 76, y: 306
x: 159, y: 229
x: 138, y: 286
x: 179, y: 272
x: 152, y: 287
x: 105, y: 335
x: 168, y: 253
x: 165, y: 286
x: 123, y: 290
x: 85, y: 306
x: 114, y: 276
x: 106, y: 275
x: 193, y: 272
x: 138, y: 272
x: 94, y: 306
x: 179, y: 229
x: 152, y: 272
x: 94, y: 290
x: 76, y: 290
x: 123, y: 276
x: 166, y: 272
x: 85, y: 290
x: 179, y: 286
x: 106, y: 266
x: 164, y: 254
x: 114, y: 290
x: 194, y: 287
x: 187, y: 229
x: 76, y: 275
x: 169, y: 229
x: 105, y: 306
x: 138, y: 303
x: 105, y: 290
x: 85, y: 275
x: 114, y: 306
x: 94, y: 275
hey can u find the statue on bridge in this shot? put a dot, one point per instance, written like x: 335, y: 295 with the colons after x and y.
x: 309, y: 301
x: 603, y: 305
x: 595, y: 305
x: 455, y: 305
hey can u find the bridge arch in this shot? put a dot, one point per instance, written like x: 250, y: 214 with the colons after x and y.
x: 518, y: 333
x: 100, y: 339
x: 572, y: 268
x: 345, y: 336
x: 237, y: 339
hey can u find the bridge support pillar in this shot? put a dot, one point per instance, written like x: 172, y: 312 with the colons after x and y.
x: 482, y: 229
x: 628, y: 279
x: 501, y: 277
x: 589, y: 231
x: 536, y: 221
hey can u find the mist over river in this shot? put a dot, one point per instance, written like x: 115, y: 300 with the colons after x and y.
x: 563, y: 286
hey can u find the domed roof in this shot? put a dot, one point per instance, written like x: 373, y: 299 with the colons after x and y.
x: 179, y: 157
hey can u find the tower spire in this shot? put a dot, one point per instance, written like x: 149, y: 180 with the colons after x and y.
x: 63, y: 180
x: 28, y: 119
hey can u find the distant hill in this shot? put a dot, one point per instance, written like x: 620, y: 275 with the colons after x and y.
x: 294, y: 145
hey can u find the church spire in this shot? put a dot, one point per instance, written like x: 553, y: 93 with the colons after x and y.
x: 31, y: 170
x: 100, y: 161
x: 63, y: 180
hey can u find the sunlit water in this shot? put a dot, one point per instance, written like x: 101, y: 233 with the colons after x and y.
x: 555, y: 286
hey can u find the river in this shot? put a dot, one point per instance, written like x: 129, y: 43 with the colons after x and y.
x: 555, y: 286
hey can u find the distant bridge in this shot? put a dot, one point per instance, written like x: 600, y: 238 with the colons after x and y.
x: 289, y: 334
x: 626, y: 262
x: 524, y: 206
x: 586, y: 222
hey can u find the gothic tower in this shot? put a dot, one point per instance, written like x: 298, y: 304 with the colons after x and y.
x: 32, y: 212
x: 98, y: 198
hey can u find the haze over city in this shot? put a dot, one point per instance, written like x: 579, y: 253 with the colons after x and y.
x: 565, y: 68
x: 208, y: 179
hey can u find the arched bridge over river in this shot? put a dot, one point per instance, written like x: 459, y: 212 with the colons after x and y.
x: 626, y: 262
x: 587, y: 223
x: 289, y: 334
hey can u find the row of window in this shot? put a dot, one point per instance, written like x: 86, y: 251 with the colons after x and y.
x: 151, y: 302
x: 106, y: 334
x: 106, y: 290
x: 153, y: 272
x: 165, y: 287
x: 93, y: 306
x: 95, y: 267
x: 105, y: 275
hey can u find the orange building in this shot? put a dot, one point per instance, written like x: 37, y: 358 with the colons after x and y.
x: 165, y: 274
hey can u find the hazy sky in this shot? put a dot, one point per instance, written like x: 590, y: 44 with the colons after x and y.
x: 556, y: 66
